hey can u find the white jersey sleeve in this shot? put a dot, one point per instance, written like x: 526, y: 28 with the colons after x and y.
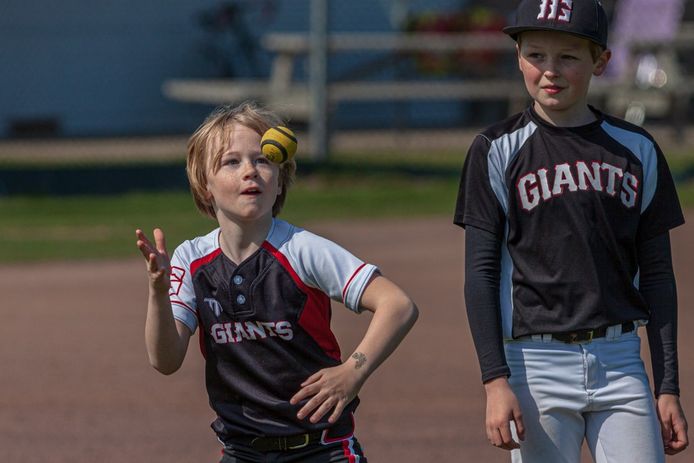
x: 182, y: 293
x: 323, y: 264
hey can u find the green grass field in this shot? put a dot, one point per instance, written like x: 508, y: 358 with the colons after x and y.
x: 355, y: 186
x: 89, y: 227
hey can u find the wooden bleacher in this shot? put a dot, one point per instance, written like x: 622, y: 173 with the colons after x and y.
x: 291, y: 98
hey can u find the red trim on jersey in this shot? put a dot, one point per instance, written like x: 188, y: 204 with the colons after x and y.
x: 347, y: 451
x: 324, y: 439
x: 197, y: 263
x: 344, y: 290
x: 194, y: 266
x: 182, y: 304
x: 315, y: 316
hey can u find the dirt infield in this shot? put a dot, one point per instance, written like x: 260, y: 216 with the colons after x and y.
x: 76, y: 386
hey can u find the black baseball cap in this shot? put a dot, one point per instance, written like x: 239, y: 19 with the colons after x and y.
x: 585, y: 18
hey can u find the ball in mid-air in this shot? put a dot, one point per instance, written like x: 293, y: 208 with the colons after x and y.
x: 278, y: 144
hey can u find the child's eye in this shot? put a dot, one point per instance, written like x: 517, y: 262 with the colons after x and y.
x: 230, y: 162
x: 534, y: 55
x: 262, y: 160
x: 569, y: 57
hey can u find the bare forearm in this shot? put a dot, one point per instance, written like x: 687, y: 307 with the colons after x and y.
x: 165, y: 346
x: 166, y: 340
x: 390, y: 323
x: 334, y: 388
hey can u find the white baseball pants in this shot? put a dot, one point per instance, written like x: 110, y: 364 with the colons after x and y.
x: 597, y: 390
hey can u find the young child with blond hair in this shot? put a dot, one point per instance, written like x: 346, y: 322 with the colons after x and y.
x: 258, y: 290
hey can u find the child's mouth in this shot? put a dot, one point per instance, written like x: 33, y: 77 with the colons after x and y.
x: 552, y: 90
x: 251, y: 191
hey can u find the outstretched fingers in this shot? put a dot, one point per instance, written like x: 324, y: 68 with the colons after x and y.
x: 157, y: 258
x: 160, y: 241
x: 157, y: 250
x: 143, y: 244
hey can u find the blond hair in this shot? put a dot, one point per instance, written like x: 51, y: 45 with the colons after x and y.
x: 208, y: 143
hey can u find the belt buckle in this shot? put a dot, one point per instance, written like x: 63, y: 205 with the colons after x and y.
x: 573, y: 337
x: 298, y: 446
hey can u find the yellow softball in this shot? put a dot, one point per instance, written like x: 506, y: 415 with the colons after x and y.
x: 278, y: 144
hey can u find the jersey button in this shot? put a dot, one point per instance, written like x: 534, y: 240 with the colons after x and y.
x: 241, y: 299
x: 238, y: 279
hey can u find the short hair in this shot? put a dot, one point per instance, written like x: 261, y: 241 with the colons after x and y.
x: 595, y: 50
x: 207, y: 144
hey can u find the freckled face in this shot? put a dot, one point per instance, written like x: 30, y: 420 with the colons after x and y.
x: 557, y: 68
x: 245, y: 184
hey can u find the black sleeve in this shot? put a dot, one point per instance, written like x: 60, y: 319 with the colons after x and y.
x: 662, y: 212
x: 482, y: 275
x: 477, y: 204
x: 658, y: 288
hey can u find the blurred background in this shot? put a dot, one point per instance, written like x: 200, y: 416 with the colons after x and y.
x: 97, y: 100
x: 86, y: 69
x: 79, y: 68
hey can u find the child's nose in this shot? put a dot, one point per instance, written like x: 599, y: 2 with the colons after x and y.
x: 551, y: 69
x: 249, y: 169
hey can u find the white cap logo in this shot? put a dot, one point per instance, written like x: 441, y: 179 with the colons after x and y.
x: 559, y: 10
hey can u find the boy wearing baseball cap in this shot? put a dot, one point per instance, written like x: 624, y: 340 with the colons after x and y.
x: 567, y: 213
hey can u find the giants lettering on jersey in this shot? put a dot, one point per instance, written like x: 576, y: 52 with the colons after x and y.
x: 543, y: 185
x: 233, y: 332
x: 559, y: 10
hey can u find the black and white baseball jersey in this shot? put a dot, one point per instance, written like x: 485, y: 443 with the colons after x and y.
x: 265, y: 323
x: 569, y: 205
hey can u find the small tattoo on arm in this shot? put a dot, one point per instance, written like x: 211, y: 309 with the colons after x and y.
x: 360, y: 359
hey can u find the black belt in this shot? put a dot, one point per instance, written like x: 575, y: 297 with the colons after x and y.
x: 282, y: 443
x: 589, y: 335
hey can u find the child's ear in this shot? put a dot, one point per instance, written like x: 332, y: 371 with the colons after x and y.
x: 601, y: 62
x: 207, y: 194
x: 518, y: 57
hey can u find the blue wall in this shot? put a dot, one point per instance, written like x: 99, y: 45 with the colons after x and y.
x: 97, y: 67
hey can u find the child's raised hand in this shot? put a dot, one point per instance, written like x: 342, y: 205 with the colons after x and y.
x: 158, y: 264
x: 332, y: 389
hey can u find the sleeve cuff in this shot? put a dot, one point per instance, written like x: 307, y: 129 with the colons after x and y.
x: 495, y: 373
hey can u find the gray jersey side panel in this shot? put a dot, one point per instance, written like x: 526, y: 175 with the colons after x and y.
x: 502, y: 152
